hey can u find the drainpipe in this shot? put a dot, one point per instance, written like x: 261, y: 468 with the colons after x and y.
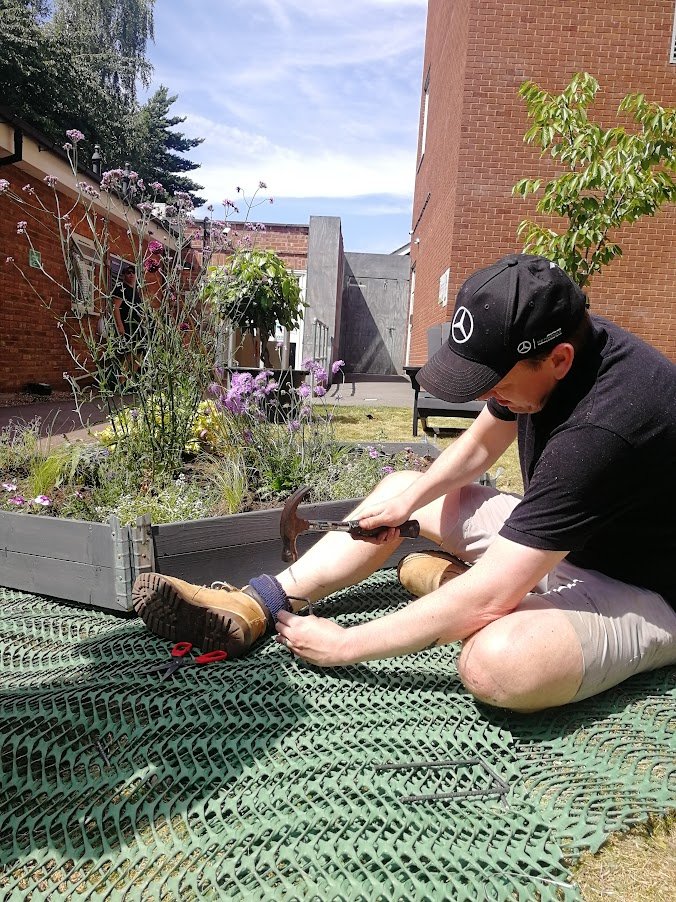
x: 17, y: 156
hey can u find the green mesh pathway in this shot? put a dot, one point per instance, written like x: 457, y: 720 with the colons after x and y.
x: 259, y: 779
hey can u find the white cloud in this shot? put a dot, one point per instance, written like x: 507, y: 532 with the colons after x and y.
x: 240, y: 158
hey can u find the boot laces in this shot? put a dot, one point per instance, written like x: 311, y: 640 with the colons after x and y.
x: 221, y: 584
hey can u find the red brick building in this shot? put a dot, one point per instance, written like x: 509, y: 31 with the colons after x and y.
x: 471, y: 150
x: 32, y: 345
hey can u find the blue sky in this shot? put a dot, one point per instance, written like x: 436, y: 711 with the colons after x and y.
x: 317, y: 98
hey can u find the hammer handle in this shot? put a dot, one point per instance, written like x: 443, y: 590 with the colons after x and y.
x: 408, y: 530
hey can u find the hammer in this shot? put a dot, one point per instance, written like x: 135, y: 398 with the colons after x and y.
x: 291, y: 526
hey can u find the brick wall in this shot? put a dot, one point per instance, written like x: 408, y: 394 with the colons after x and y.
x: 477, y: 55
x: 288, y: 241
x: 32, y: 346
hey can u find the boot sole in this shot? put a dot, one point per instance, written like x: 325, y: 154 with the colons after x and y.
x: 168, y: 615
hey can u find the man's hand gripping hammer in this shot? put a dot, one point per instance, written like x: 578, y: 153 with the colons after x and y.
x: 291, y: 526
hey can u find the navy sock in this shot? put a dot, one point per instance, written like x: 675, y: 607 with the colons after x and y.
x: 271, y: 594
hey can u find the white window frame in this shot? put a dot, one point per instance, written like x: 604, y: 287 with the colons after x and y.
x: 672, y: 48
x: 425, y: 115
x: 443, y: 287
x: 85, y: 264
x: 409, y: 331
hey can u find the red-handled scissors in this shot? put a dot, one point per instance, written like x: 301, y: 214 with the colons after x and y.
x: 179, y: 658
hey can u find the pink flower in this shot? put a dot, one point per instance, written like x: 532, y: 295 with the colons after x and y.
x: 75, y: 135
x: 50, y: 180
x: 320, y: 391
x: 18, y: 500
x: 42, y: 500
x: 9, y: 486
x: 21, y: 227
x: 4, y: 185
x: 386, y: 470
x: 9, y: 259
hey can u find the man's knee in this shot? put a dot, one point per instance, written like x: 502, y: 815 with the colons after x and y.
x: 526, y: 661
x: 487, y: 667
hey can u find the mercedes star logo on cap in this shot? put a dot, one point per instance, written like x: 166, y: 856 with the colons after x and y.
x: 462, y: 326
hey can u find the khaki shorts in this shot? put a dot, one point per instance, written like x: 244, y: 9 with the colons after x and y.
x: 623, y: 629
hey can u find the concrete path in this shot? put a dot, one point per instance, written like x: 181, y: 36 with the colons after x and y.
x: 59, y: 417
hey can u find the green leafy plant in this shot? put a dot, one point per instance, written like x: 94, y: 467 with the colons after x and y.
x: 612, y: 176
x: 256, y: 293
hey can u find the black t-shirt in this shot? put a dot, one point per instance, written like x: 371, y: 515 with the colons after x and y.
x: 598, y: 463
x: 131, y: 310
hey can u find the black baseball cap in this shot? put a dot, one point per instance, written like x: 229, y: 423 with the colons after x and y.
x: 516, y: 308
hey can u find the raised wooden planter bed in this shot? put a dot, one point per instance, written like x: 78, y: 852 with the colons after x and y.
x: 96, y: 563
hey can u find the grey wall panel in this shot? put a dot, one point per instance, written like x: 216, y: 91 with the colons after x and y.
x: 375, y: 310
x: 324, y: 285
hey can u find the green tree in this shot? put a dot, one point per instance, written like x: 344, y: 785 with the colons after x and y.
x: 113, y: 35
x: 256, y: 292
x: 58, y: 76
x: 157, y: 154
x: 612, y: 176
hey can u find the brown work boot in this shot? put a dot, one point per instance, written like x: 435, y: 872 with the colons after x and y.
x: 421, y: 572
x: 220, y: 617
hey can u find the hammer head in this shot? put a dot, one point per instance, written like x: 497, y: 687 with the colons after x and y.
x: 291, y: 525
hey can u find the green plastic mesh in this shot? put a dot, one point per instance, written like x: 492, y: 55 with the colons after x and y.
x: 260, y: 779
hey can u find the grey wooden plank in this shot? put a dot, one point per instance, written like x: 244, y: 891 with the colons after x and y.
x: 72, y: 581
x: 239, y: 529
x: 238, y: 565
x: 61, y: 539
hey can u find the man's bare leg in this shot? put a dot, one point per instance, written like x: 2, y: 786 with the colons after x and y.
x: 338, y: 560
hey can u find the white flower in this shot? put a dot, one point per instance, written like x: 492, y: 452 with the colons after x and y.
x: 9, y: 486
x: 43, y: 500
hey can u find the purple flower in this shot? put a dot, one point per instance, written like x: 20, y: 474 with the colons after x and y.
x: 21, y: 227
x: 293, y: 425
x: 336, y: 365
x: 321, y: 375
x: 272, y: 200
x: 154, y: 246
x: 50, y: 180
x: 67, y: 146
x: 4, y: 185
x: 386, y: 470
x: 29, y: 189
x: 42, y: 500
x: 75, y: 135
x: 19, y: 500
x: 9, y: 486
x: 304, y: 390
x: 271, y: 386
x: 320, y: 391
x: 247, y: 435
x: 373, y: 452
